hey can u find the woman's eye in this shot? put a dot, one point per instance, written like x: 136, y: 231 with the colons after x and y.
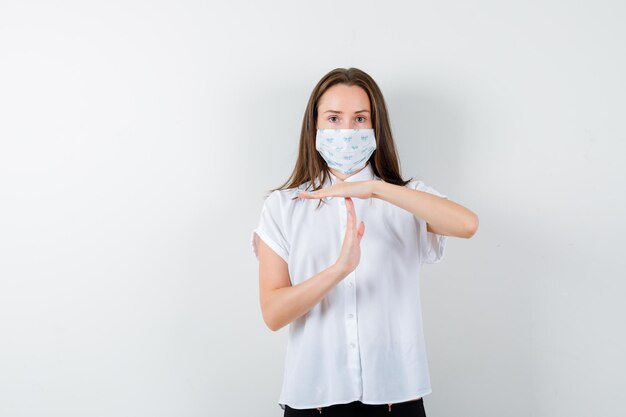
x: 331, y: 118
x: 361, y: 117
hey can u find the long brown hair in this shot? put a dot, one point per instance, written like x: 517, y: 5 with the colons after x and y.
x: 311, y: 165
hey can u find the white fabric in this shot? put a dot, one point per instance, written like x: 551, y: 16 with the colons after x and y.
x: 364, y: 340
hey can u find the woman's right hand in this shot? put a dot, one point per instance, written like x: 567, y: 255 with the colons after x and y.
x: 350, y: 254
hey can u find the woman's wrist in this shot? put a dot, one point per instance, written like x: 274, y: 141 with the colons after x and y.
x: 338, y: 271
x: 377, y: 185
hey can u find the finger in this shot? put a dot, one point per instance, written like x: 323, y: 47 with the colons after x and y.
x: 351, y: 213
x: 350, y: 219
x: 360, y: 231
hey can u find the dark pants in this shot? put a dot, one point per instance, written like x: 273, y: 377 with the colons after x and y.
x: 413, y: 408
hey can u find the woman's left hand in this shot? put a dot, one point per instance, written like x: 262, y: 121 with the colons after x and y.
x: 356, y: 189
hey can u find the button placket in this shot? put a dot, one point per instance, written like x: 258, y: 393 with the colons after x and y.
x: 352, y: 333
x: 352, y: 336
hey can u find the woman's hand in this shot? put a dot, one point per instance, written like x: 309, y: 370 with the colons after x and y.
x: 350, y: 254
x: 357, y: 189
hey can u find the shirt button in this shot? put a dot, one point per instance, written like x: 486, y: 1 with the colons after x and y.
x: 349, y: 283
x: 350, y: 315
x: 352, y: 345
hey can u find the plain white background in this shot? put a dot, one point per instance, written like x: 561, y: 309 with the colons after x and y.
x: 138, y: 138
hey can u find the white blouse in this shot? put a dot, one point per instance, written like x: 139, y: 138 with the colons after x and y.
x: 364, y: 340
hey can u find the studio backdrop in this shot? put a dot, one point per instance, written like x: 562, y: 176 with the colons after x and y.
x: 138, y: 139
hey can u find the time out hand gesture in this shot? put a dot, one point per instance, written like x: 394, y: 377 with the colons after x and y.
x: 350, y: 253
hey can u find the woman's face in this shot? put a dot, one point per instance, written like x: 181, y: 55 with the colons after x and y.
x: 344, y: 107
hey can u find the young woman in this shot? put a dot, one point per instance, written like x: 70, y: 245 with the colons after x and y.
x: 340, y: 245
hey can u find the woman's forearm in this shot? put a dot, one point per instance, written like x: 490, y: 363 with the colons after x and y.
x: 443, y: 216
x: 286, y: 304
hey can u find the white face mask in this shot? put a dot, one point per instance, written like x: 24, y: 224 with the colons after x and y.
x: 346, y: 150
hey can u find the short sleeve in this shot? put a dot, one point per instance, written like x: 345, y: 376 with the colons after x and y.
x: 432, y: 245
x: 271, y: 228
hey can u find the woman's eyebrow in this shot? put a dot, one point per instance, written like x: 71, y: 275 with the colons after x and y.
x: 337, y: 111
